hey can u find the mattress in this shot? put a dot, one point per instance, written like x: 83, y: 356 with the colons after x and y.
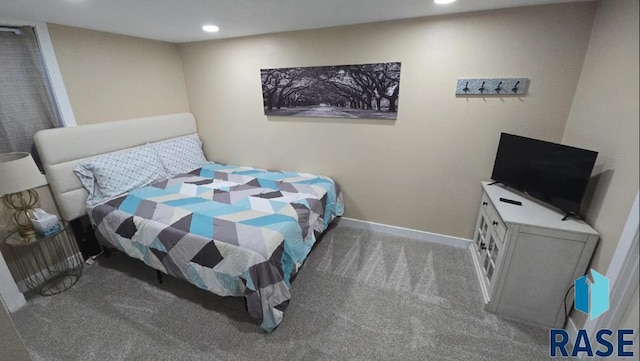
x: 234, y: 231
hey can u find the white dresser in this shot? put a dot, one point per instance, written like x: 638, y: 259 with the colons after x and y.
x: 527, y: 257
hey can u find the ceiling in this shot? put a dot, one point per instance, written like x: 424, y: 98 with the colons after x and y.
x: 181, y: 20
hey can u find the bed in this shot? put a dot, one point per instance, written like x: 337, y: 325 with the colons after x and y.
x: 231, y: 230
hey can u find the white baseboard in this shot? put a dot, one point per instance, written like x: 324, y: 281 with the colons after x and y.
x: 405, y: 232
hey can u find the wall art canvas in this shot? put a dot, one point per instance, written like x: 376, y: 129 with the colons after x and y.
x: 338, y: 91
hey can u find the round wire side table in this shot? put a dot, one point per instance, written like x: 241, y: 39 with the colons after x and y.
x: 48, y: 265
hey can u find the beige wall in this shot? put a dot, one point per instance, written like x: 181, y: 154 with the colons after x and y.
x: 111, y: 77
x: 423, y: 170
x: 605, y: 117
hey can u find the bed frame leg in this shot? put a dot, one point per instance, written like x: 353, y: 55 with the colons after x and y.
x: 159, y: 275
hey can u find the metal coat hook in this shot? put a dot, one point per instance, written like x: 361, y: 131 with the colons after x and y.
x: 515, y: 87
x: 497, y: 89
x: 481, y: 89
x: 466, y: 88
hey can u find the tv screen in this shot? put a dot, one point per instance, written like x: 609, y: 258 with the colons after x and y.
x: 553, y: 173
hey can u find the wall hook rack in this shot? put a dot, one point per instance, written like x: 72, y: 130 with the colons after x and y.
x: 493, y: 86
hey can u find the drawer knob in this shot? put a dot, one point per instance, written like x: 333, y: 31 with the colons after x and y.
x: 484, y: 203
x: 495, y: 223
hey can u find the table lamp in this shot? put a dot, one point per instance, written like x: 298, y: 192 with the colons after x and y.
x: 19, y: 175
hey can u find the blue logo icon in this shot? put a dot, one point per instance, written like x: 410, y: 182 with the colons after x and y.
x: 592, y: 298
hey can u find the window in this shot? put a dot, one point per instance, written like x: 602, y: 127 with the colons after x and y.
x: 26, y: 99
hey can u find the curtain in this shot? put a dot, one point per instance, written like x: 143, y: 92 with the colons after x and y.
x: 25, y: 94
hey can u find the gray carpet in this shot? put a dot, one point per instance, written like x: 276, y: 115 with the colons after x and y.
x: 361, y: 296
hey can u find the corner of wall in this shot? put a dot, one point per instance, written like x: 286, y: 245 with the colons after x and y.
x: 584, y: 58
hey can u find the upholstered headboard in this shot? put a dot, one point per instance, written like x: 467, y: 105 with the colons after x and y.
x: 61, y: 149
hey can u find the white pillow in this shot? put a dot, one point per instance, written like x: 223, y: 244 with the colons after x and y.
x: 112, y: 174
x: 180, y: 155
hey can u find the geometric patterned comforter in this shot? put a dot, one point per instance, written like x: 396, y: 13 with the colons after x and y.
x: 235, y: 231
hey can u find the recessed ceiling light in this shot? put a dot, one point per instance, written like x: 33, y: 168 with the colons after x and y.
x: 210, y: 28
x: 442, y: 2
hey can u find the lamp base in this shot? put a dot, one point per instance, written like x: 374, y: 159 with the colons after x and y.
x: 27, y: 233
x: 22, y: 203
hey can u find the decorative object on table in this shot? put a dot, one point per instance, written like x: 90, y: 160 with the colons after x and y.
x: 47, y: 265
x: 19, y: 175
x: 492, y: 86
x: 44, y: 223
x: 338, y: 91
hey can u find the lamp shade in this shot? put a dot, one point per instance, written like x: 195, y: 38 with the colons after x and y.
x: 19, y: 172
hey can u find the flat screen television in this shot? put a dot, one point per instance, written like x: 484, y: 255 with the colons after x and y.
x: 553, y: 173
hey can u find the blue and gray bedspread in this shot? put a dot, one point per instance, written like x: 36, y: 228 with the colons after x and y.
x: 235, y: 231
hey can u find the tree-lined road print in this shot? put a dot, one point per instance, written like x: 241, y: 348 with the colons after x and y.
x: 341, y: 91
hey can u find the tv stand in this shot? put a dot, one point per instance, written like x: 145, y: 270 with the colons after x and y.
x: 526, y: 258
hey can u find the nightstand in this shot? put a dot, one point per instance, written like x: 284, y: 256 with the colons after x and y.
x: 47, y: 265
